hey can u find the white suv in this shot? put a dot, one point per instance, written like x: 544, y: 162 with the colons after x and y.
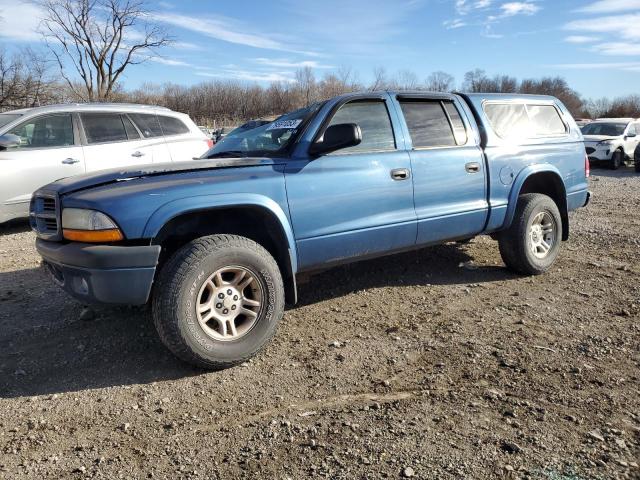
x: 611, y: 140
x: 40, y: 145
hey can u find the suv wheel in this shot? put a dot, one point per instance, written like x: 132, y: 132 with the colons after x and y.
x: 636, y: 163
x: 218, y: 301
x: 616, y: 160
x: 532, y: 243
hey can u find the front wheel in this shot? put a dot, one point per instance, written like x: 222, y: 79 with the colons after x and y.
x: 532, y: 243
x: 616, y: 160
x: 218, y: 301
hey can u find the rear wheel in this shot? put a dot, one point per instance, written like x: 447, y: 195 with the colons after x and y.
x: 218, y: 301
x: 616, y: 160
x: 532, y: 243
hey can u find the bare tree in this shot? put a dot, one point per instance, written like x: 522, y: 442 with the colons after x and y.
x: 440, y: 82
x: 380, y: 80
x: 306, y: 83
x: 100, y: 38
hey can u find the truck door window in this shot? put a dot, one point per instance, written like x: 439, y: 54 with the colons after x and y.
x: 459, y: 131
x: 428, y: 124
x: 374, y: 122
x: 45, y: 132
x: 546, y: 120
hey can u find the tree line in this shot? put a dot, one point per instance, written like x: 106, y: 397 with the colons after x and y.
x: 25, y: 81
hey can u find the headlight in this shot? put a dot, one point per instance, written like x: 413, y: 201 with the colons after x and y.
x: 82, y: 225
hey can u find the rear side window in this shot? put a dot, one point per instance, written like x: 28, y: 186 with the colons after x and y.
x: 147, y: 123
x: 429, y: 125
x: 546, y: 120
x: 459, y: 131
x: 103, y: 127
x: 517, y: 120
x: 172, y: 126
x: 45, y: 132
x: 374, y: 122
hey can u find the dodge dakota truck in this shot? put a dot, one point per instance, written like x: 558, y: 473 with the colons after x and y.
x: 215, y: 244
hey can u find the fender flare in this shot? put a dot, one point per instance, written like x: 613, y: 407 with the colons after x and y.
x: 181, y: 206
x: 522, y: 177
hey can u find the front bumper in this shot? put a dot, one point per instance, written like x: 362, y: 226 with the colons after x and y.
x: 600, y: 153
x: 101, y: 273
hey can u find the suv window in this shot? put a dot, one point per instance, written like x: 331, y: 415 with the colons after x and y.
x: 546, y: 120
x: 172, y: 126
x: 374, y: 122
x: 103, y: 127
x: 45, y: 132
x: 147, y: 123
x: 132, y: 133
x: 428, y: 124
x: 632, y: 129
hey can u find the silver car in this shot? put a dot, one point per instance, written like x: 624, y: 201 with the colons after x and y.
x: 40, y: 145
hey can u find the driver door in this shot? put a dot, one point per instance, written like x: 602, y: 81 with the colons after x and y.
x: 354, y: 202
x: 49, y: 150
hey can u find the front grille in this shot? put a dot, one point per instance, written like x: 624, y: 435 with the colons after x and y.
x: 590, y: 150
x: 44, y: 215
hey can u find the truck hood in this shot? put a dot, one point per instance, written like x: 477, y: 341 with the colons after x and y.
x: 105, y: 177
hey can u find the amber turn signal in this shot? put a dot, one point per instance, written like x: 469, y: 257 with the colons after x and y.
x: 93, y: 236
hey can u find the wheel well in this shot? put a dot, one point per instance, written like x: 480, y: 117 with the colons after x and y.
x: 255, y: 223
x: 551, y: 185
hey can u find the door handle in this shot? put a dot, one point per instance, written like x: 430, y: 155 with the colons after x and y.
x: 138, y: 154
x: 70, y: 161
x: 400, y: 173
x: 472, y: 167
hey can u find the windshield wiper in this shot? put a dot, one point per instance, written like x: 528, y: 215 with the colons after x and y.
x: 228, y: 154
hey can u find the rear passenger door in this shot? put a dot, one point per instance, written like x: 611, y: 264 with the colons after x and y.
x: 149, y: 126
x: 448, y: 170
x: 112, y: 141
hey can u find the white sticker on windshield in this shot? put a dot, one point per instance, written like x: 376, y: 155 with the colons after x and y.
x: 284, y: 124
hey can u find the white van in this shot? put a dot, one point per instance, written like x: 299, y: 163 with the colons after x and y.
x: 40, y: 145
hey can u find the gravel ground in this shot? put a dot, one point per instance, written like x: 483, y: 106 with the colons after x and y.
x: 432, y: 364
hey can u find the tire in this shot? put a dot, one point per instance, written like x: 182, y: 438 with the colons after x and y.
x: 636, y: 159
x: 517, y: 242
x: 637, y: 165
x: 190, y: 276
x: 616, y: 160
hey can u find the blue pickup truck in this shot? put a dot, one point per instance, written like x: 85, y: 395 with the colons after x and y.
x: 215, y: 244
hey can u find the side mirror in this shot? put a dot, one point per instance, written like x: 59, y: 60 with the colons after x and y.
x: 336, y: 137
x: 631, y: 135
x: 9, y: 140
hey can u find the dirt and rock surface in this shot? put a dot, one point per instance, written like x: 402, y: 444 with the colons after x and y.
x: 432, y: 364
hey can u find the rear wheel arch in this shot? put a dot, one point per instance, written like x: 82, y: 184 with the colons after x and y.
x: 254, y: 222
x: 546, y: 182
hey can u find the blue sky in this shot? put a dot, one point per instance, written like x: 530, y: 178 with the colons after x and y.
x: 594, y: 44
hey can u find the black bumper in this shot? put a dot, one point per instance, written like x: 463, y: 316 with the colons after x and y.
x: 101, y: 273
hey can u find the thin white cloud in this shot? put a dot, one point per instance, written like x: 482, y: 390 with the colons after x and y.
x: 617, y: 48
x: 285, y: 63
x: 581, y: 39
x: 611, y: 6
x: 625, y: 26
x: 627, y: 66
x: 463, y: 7
x: 511, y: 9
x: 455, y: 23
x: 172, y: 62
x: 245, y: 75
x: 19, y: 21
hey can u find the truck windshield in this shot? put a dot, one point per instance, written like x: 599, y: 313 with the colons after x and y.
x: 6, y: 118
x: 602, y: 128
x: 271, y: 139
